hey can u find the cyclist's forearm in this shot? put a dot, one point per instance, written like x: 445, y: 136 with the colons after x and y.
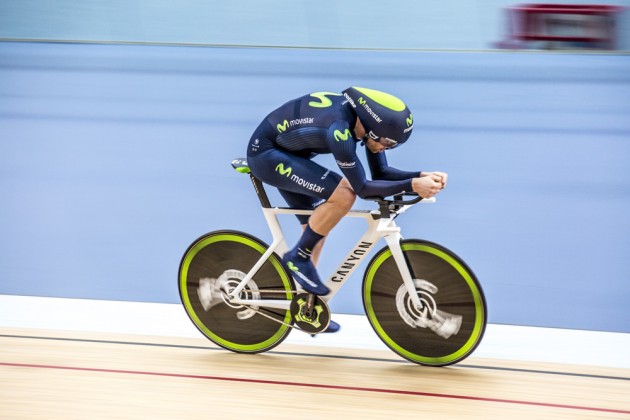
x: 392, y: 174
x: 380, y: 169
x: 383, y: 188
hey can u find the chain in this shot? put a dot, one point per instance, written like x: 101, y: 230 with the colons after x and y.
x: 295, y: 327
x: 259, y: 312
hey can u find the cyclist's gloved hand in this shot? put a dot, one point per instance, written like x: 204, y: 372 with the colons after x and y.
x: 442, y: 177
x: 429, y: 184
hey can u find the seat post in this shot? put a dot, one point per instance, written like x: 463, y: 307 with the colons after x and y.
x: 260, y: 191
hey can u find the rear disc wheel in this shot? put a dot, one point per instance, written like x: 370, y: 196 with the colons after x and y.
x: 211, y: 268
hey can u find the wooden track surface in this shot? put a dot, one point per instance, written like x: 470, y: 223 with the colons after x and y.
x: 69, y: 375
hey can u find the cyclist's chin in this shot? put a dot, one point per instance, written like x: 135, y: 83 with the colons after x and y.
x: 375, y: 147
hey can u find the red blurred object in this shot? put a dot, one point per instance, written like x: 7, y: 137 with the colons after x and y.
x: 582, y: 26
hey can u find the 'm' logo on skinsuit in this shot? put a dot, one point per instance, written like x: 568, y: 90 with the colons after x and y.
x: 339, y: 136
x: 282, y: 171
x: 283, y: 127
x: 409, y: 120
x: 324, y: 101
x: 362, y: 101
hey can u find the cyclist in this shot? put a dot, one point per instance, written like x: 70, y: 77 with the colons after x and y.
x: 280, y: 152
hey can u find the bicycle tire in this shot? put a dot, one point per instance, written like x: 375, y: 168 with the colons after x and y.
x: 232, y: 254
x: 458, y: 293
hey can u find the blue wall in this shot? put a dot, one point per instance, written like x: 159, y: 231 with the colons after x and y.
x: 426, y: 24
x: 114, y: 158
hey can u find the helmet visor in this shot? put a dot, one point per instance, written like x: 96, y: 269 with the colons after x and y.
x: 388, y: 143
x: 385, y: 141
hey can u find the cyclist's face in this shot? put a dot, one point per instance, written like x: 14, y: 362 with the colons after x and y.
x: 374, y: 146
x: 359, y: 130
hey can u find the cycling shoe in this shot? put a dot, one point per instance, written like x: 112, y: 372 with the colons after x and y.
x: 304, y: 272
x: 333, y: 327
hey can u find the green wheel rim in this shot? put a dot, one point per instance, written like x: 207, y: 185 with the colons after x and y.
x: 183, y: 276
x: 479, y: 324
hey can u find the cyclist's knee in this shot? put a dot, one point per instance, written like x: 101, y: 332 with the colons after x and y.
x: 344, y: 194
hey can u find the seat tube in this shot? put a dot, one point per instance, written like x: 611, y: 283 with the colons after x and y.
x: 278, y: 244
x: 393, y: 241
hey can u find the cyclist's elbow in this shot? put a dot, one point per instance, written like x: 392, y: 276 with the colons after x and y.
x: 362, y: 192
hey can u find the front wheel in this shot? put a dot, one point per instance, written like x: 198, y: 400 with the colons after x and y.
x: 214, y: 265
x: 451, y: 320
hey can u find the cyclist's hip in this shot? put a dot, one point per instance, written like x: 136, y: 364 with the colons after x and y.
x: 291, y: 172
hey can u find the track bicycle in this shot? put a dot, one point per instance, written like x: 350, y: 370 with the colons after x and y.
x: 421, y: 299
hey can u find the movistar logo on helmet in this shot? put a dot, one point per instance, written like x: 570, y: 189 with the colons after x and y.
x: 283, y: 127
x: 369, y: 110
x: 349, y: 99
x: 339, y: 136
x: 409, y: 124
x: 280, y: 169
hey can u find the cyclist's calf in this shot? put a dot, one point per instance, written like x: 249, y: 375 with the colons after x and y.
x: 328, y: 214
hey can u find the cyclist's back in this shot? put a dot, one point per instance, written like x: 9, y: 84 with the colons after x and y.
x: 302, y: 125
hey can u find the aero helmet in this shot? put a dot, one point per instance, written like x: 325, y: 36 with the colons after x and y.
x: 382, y: 114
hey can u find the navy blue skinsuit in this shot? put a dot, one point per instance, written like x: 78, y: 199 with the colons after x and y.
x: 280, y: 150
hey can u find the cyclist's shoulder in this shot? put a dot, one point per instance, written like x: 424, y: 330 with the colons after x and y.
x: 318, y: 109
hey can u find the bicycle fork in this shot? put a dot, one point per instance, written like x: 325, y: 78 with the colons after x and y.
x: 393, y: 238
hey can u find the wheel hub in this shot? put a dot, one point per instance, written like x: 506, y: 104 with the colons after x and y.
x: 427, y: 315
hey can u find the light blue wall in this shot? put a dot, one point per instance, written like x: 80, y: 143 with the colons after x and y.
x: 114, y: 158
x: 426, y: 24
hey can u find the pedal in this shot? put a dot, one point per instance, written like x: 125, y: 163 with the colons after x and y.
x: 310, y: 313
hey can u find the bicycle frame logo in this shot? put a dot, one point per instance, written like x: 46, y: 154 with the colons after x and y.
x: 282, y: 171
x: 339, y: 136
x: 351, y: 261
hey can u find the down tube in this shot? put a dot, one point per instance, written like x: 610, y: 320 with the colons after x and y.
x: 352, y: 260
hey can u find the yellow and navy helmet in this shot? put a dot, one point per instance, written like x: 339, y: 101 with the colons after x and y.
x: 382, y: 115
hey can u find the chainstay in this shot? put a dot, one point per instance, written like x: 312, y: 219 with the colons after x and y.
x: 261, y: 313
x: 278, y: 292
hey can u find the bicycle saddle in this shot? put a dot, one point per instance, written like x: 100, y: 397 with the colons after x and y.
x: 240, y: 164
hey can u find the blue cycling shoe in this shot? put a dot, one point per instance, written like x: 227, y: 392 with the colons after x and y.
x: 333, y: 327
x: 303, y: 271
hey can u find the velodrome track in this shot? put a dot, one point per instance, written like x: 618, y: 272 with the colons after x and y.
x: 99, y: 359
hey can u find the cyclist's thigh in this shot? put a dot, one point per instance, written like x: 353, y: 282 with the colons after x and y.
x: 300, y: 201
x: 293, y: 173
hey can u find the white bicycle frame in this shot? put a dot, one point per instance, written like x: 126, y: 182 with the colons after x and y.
x: 378, y: 227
